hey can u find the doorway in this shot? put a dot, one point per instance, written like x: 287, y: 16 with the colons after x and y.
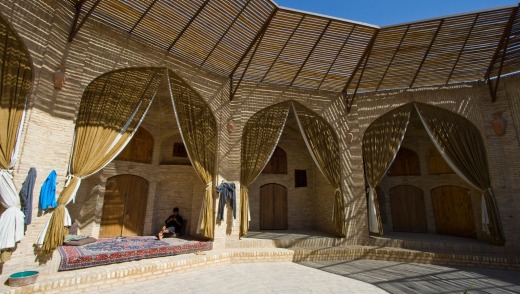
x: 124, y: 206
x: 453, y: 211
x: 273, y: 207
x: 408, y: 210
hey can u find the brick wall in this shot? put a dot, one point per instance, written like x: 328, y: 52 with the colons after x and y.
x: 48, y: 130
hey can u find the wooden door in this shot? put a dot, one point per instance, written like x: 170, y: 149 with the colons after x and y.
x: 273, y: 207
x: 408, y: 211
x: 453, y: 211
x: 124, y: 206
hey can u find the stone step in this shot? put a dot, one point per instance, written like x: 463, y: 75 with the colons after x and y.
x: 98, y: 278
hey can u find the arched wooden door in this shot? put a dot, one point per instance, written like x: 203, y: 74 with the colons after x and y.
x: 408, y: 212
x: 124, y: 206
x: 453, y: 211
x: 273, y: 207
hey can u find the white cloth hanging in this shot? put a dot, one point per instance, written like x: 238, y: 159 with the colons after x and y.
x: 485, y: 216
x: 372, y: 213
x: 12, y: 220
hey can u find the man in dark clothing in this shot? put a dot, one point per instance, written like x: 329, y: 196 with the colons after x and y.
x: 173, y: 224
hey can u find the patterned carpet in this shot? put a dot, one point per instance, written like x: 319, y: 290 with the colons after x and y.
x: 108, y: 251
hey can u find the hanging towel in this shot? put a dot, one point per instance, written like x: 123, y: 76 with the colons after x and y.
x: 48, y: 192
x: 227, y: 191
x: 26, y: 195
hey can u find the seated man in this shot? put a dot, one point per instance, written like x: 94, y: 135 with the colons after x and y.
x: 173, y: 224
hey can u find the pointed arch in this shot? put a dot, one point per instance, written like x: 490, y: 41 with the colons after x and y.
x: 112, y: 108
x: 456, y: 138
x: 260, y: 137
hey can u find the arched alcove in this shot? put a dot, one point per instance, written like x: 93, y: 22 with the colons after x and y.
x: 406, y: 163
x: 436, y: 164
x: 418, y: 131
x: 139, y: 149
x: 277, y: 164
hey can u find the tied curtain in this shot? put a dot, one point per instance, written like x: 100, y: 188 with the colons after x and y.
x: 198, y: 128
x: 259, y: 139
x: 324, y: 148
x: 381, y: 142
x: 460, y: 144
x: 15, y: 82
x: 112, y: 108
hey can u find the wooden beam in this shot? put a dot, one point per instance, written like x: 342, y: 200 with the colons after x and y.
x: 506, y: 33
x: 192, y: 19
x: 349, y: 105
x: 283, y: 48
x: 75, y: 27
x: 427, y: 52
x: 463, y: 47
x: 499, y: 74
x: 142, y: 16
x: 260, y: 33
x: 312, y: 50
x: 337, y: 56
x: 245, y: 70
x: 393, y: 57
x: 367, y: 51
x: 224, y: 34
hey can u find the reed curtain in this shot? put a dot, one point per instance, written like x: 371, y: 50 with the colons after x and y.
x: 198, y: 129
x: 460, y: 144
x: 323, y: 145
x: 111, y: 110
x: 381, y: 142
x: 15, y: 82
x: 259, y: 139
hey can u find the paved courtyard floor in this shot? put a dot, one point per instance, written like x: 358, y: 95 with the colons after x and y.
x: 361, y: 276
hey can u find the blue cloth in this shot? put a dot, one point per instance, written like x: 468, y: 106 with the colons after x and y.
x: 227, y: 191
x: 26, y: 194
x: 48, y: 192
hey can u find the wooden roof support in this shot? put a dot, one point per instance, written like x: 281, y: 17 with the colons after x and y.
x: 192, y: 19
x: 502, y: 45
x: 367, y: 51
x: 337, y: 56
x: 225, y: 33
x: 427, y: 52
x: 349, y: 104
x: 142, y: 16
x: 260, y: 33
x: 233, y: 91
x: 393, y: 57
x: 506, y: 33
x: 75, y: 27
x: 312, y: 51
x: 283, y: 48
x: 463, y: 47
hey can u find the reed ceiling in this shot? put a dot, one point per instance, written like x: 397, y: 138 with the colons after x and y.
x: 257, y: 41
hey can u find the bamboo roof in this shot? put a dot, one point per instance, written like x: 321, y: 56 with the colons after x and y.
x: 258, y: 41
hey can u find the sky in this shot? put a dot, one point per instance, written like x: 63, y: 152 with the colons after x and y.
x: 388, y: 12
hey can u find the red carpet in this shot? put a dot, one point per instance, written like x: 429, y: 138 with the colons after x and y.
x: 108, y: 251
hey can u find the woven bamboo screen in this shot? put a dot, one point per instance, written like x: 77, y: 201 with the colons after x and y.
x: 255, y: 40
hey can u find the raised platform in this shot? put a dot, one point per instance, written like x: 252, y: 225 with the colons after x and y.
x: 277, y: 246
x: 413, y: 241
